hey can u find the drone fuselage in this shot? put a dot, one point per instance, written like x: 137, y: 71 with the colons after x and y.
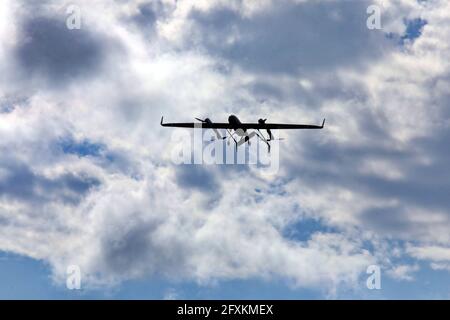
x: 236, y: 124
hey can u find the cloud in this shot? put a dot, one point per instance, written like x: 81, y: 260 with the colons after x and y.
x: 196, y: 177
x: 19, y: 182
x: 403, y: 272
x: 49, y: 48
x: 433, y: 253
x: 85, y: 170
x: 292, y: 38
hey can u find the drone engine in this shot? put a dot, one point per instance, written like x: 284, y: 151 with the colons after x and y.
x: 263, y: 121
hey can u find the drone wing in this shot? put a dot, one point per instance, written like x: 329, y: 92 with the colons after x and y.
x: 278, y: 126
x: 260, y: 126
x: 214, y: 125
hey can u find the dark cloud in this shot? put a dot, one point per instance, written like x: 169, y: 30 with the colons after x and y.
x: 266, y: 91
x: 19, y: 182
x: 196, y: 177
x: 392, y: 220
x: 137, y: 250
x: 146, y: 17
x: 52, y: 51
x: 293, y: 38
x: 322, y: 87
x: 423, y: 186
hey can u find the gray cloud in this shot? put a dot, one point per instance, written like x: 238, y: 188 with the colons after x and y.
x: 136, y: 251
x: 293, y: 38
x: 51, y: 51
x: 19, y: 182
x: 196, y: 177
x: 147, y: 15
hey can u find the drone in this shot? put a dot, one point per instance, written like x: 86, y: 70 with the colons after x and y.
x: 242, y: 130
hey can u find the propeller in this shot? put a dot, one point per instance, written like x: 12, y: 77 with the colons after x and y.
x: 208, y: 121
x: 263, y: 121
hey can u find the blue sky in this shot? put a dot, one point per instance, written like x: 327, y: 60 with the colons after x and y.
x: 89, y: 178
x: 24, y: 278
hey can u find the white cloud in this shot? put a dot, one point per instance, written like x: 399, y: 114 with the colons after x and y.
x: 403, y: 272
x: 433, y: 253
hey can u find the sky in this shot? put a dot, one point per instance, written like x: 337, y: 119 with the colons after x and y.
x: 88, y: 177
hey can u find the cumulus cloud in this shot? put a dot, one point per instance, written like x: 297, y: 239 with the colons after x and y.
x: 86, y: 175
x: 403, y: 272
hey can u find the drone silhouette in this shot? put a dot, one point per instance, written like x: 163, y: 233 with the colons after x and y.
x: 241, y: 129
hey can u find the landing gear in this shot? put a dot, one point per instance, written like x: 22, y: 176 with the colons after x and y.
x: 246, y: 138
x: 231, y: 136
